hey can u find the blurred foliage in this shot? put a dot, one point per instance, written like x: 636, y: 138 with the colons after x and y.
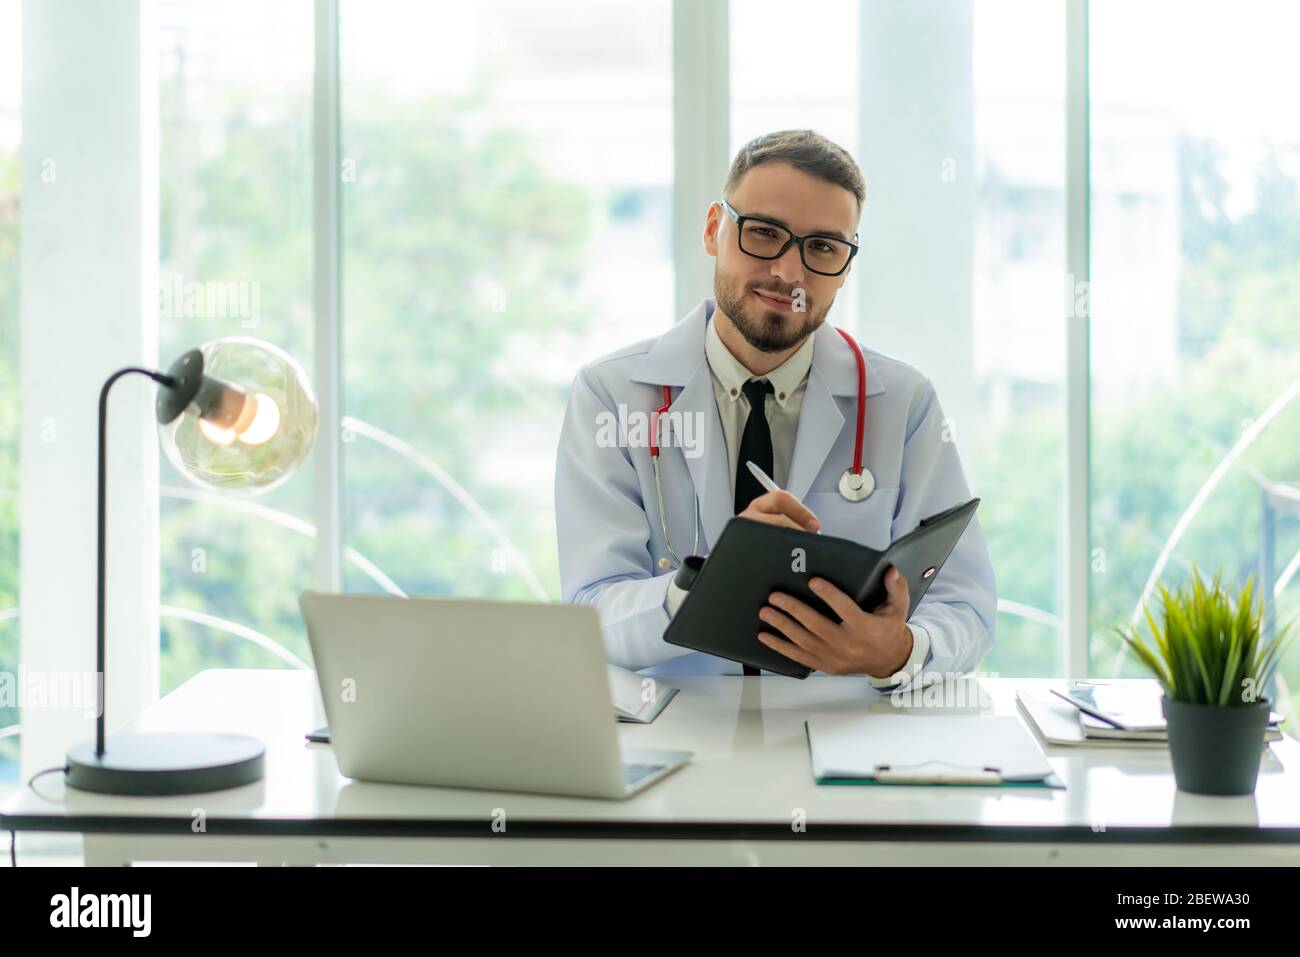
x: 455, y: 244
x: 462, y: 262
x: 235, y: 197
x: 1239, y: 349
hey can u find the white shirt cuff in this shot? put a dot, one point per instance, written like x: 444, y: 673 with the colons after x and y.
x: 915, y: 661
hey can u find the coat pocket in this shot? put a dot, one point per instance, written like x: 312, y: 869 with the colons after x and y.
x: 868, y: 522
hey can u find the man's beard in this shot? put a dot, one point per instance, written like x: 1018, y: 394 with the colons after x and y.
x: 764, y: 328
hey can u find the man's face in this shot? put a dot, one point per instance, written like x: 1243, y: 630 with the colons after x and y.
x: 777, y: 303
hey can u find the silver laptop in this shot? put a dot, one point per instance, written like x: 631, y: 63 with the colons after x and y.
x: 478, y: 694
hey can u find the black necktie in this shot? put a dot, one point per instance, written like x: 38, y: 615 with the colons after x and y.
x: 755, y: 444
x: 756, y: 447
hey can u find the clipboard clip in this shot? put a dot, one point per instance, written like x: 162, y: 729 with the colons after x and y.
x: 936, y: 772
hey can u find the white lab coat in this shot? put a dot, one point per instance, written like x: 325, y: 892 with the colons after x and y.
x: 607, y: 518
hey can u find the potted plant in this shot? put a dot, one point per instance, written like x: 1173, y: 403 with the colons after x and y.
x: 1214, y: 665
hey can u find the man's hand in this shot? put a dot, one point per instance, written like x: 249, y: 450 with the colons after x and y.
x: 782, y: 508
x: 874, y: 643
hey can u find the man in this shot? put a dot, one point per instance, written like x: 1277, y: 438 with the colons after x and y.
x: 756, y: 374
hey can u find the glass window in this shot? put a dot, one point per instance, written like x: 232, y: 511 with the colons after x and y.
x: 988, y: 167
x: 1016, y: 461
x: 1195, y: 304
x: 506, y: 217
x: 235, y: 260
x: 769, y: 92
x: 774, y: 86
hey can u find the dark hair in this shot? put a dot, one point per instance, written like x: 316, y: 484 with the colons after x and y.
x: 804, y: 150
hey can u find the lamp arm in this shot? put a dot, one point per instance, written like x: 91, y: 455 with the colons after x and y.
x: 161, y: 379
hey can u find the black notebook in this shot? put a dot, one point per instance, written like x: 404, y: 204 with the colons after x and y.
x: 753, y: 559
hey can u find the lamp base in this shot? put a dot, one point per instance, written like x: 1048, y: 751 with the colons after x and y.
x: 166, y: 763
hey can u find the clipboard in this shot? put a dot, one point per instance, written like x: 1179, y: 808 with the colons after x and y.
x: 752, y: 559
x: 962, y: 751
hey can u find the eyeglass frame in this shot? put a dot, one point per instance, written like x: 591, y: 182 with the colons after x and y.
x: 739, y: 220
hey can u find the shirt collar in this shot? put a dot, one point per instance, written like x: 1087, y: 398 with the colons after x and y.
x: 731, y: 372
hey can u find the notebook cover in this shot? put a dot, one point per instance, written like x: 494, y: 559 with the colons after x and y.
x: 753, y: 559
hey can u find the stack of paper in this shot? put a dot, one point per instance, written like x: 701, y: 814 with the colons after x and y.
x: 637, y: 698
x: 1131, y: 710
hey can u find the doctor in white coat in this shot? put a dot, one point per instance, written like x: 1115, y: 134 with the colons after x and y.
x: 783, y: 237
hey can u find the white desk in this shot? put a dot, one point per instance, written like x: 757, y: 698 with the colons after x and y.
x: 736, y: 802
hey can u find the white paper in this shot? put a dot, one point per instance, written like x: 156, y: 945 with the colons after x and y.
x: 852, y: 746
x: 625, y: 691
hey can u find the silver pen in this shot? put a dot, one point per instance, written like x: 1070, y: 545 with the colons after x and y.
x: 766, y: 481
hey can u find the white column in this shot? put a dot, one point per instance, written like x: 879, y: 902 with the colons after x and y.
x: 89, y: 307
x: 701, y: 138
x: 1077, y: 558
x: 917, y: 234
x: 325, y: 284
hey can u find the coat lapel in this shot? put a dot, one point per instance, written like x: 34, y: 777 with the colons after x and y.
x: 833, y: 375
x: 710, y: 473
x: 677, y: 359
x: 820, y: 422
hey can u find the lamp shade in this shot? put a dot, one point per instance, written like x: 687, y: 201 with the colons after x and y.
x: 235, y: 414
x: 249, y: 421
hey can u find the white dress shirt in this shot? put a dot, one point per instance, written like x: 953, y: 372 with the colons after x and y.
x: 789, y: 381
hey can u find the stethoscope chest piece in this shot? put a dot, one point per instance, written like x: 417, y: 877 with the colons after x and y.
x: 857, y: 486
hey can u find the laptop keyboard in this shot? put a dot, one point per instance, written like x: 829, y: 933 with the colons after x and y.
x: 635, y: 773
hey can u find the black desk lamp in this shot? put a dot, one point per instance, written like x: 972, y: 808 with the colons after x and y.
x: 236, y: 413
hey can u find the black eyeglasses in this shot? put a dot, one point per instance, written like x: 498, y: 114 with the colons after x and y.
x: 765, y: 239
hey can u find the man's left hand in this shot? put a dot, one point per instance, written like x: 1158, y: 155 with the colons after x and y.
x: 873, y: 643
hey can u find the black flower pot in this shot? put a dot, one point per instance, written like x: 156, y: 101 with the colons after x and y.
x: 1215, y: 750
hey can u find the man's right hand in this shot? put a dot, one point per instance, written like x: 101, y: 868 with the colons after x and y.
x: 782, y: 508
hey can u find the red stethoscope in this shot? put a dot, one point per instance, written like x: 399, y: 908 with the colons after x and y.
x: 856, y: 484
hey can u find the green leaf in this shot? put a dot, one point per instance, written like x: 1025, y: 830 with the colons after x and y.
x: 1207, y: 642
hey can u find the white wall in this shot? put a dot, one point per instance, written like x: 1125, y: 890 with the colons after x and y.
x: 701, y: 135
x: 89, y: 307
